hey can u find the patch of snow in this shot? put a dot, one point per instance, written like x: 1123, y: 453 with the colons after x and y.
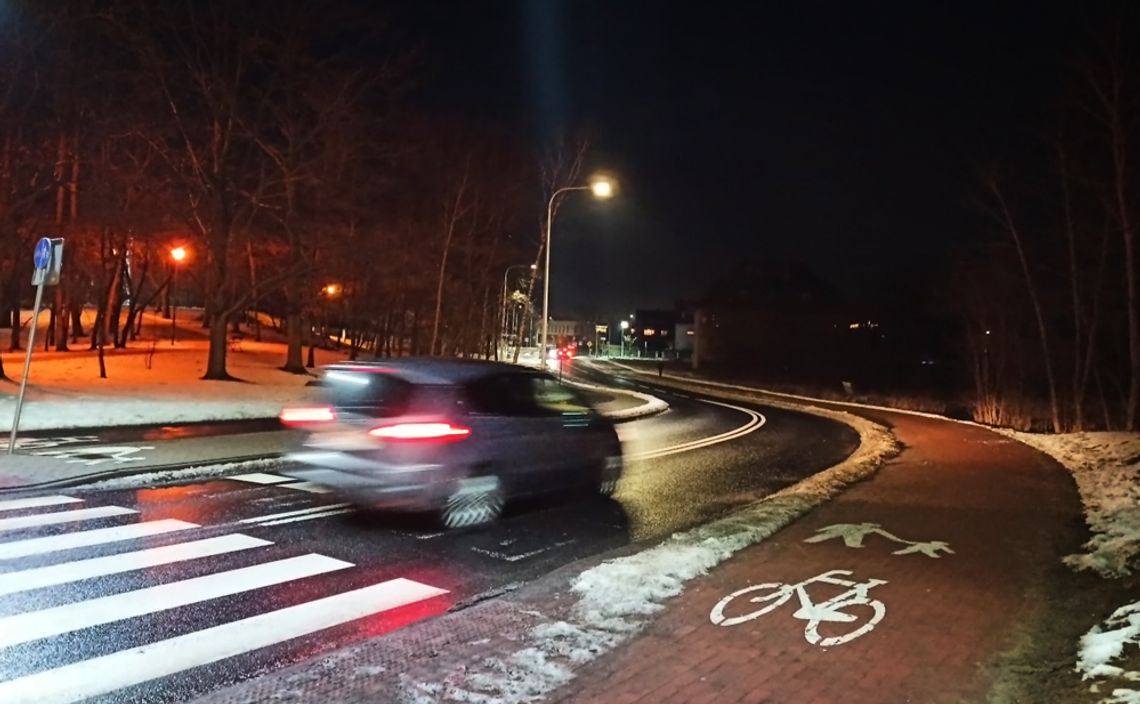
x: 617, y: 597
x: 1101, y: 645
x: 151, y: 479
x: 1106, y: 468
x: 153, y: 382
x: 651, y: 406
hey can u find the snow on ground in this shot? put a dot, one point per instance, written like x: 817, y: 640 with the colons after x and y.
x: 616, y: 598
x: 1106, y: 467
x: 152, y: 381
x: 150, y: 480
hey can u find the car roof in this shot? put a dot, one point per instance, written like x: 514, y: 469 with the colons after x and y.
x: 433, y: 370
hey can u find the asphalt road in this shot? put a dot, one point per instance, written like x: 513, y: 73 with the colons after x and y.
x: 90, y: 608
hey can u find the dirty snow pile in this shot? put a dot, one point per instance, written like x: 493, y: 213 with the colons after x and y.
x: 616, y: 598
x: 1106, y: 467
x: 1100, y: 646
x: 166, y: 476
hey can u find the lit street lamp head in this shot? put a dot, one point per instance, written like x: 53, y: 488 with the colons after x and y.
x: 332, y: 290
x: 178, y: 254
x: 602, y: 187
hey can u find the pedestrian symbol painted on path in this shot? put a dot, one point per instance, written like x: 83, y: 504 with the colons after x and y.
x: 854, y: 533
x: 853, y: 606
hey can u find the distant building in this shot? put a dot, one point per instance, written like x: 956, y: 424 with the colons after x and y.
x: 653, y: 332
x: 574, y: 333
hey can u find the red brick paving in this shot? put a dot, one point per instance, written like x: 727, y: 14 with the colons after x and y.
x: 1005, y: 510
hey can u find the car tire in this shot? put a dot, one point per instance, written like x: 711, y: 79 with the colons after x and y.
x: 476, y: 501
x: 609, y: 474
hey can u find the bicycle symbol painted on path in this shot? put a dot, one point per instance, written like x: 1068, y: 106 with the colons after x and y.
x: 853, y: 606
x: 854, y: 533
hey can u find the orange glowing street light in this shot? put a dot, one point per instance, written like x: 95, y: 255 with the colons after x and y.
x: 178, y: 254
x: 332, y: 290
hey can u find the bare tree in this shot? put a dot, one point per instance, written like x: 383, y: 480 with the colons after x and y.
x: 1005, y: 218
x: 1110, y: 92
x: 559, y: 167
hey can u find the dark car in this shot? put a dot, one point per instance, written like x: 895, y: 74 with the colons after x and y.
x: 455, y: 436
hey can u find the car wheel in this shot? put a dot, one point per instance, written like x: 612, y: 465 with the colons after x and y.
x: 610, y: 473
x: 475, y: 501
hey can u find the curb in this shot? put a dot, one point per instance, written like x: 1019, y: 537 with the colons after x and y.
x: 651, y: 407
x: 125, y: 472
x: 560, y: 622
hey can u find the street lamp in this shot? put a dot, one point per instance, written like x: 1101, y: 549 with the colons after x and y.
x: 503, y: 304
x: 624, y: 327
x: 603, y: 188
x: 176, y: 256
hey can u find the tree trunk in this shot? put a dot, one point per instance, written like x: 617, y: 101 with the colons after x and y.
x: 77, y: 321
x: 1037, y: 311
x: 62, y: 317
x: 255, y: 301
x: 219, y: 345
x: 295, y: 334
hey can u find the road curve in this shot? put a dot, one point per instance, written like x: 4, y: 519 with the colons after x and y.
x: 691, y: 463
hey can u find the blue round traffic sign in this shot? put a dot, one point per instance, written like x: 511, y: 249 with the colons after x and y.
x: 42, y: 256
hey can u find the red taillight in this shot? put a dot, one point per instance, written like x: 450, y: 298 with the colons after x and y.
x: 307, y: 415
x: 421, y: 432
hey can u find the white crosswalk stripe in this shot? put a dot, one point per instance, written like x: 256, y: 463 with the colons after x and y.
x: 33, y: 625
x: 56, y: 517
x: 88, y: 538
x: 37, y: 502
x: 280, y: 482
x: 101, y: 675
x: 26, y: 580
x: 103, y: 603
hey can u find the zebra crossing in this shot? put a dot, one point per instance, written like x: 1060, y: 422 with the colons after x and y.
x: 278, y: 481
x: 119, y: 584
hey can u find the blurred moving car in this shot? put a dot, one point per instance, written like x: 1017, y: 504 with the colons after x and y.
x: 459, y: 437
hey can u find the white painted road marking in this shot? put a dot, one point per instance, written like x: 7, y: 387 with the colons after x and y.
x: 854, y: 533
x: 288, y: 514
x: 33, y: 625
x: 37, y: 502
x: 306, y: 486
x: 309, y: 517
x: 25, y: 580
x: 755, y: 422
x: 773, y: 595
x: 99, y: 454
x: 56, y: 517
x: 102, y: 675
x: 99, y: 536
x: 260, y: 478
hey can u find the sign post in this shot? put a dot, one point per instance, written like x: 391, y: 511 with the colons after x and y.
x: 47, y: 260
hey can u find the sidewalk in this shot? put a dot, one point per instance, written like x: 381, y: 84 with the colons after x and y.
x: 1005, y: 511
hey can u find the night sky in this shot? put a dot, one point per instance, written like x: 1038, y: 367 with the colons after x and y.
x: 847, y: 136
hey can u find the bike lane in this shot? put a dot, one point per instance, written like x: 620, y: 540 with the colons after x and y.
x: 957, y: 532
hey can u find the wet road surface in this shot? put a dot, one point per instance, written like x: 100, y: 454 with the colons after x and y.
x: 163, y: 594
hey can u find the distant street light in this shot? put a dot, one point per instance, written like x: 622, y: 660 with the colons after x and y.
x: 177, y: 255
x: 603, y: 188
x: 624, y: 327
x: 503, y: 306
x: 332, y: 290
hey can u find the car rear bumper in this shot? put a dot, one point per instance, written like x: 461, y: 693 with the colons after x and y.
x: 374, y: 484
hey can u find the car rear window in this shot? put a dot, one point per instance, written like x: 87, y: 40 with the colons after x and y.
x: 375, y: 393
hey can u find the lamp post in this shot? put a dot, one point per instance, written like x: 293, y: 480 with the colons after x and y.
x: 602, y: 188
x: 503, y: 306
x: 176, y: 256
x: 624, y: 327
